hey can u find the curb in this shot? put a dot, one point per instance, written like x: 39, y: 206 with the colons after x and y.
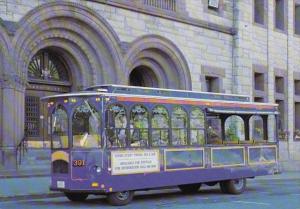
x: 9, y: 176
x: 31, y: 197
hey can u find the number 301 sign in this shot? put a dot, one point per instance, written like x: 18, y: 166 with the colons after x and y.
x: 78, y: 163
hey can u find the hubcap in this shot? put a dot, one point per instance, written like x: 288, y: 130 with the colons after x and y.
x: 238, y: 184
x: 123, y: 195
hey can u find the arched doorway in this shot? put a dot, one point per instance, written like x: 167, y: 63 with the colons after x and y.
x: 48, y: 74
x: 155, y: 61
x: 143, y: 76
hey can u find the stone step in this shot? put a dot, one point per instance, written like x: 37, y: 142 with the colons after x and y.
x: 36, y: 157
x: 290, y: 165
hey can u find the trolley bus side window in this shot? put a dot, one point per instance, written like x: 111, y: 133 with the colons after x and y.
x: 160, y: 126
x: 197, y: 125
x: 86, y: 126
x: 59, y: 128
x: 139, y: 124
x: 256, y: 126
x: 179, y: 126
x: 234, y: 129
x: 214, y: 129
x: 116, y: 124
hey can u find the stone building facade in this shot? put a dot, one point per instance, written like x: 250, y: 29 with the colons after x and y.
x: 246, y: 47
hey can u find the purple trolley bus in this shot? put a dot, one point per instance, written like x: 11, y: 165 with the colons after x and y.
x: 115, y: 140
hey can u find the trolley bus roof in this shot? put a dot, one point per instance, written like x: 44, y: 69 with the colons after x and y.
x: 212, y: 105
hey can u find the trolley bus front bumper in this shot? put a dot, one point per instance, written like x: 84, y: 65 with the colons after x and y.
x: 98, y: 191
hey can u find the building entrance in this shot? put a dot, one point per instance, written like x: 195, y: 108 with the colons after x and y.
x: 47, y: 75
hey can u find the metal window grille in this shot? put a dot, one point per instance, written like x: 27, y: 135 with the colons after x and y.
x: 162, y: 4
x: 32, y: 116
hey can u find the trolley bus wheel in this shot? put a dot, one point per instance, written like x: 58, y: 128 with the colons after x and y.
x: 120, y: 198
x: 189, y: 188
x: 235, y: 186
x: 76, y: 197
x: 223, y: 187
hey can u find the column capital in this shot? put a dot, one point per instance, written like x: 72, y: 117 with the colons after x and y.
x: 12, y: 81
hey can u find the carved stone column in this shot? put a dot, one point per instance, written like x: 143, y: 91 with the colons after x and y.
x: 12, y: 114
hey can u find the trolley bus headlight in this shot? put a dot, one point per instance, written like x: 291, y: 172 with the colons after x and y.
x: 98, y: 169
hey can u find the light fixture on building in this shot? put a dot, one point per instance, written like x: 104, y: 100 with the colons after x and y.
x: 213, y: 4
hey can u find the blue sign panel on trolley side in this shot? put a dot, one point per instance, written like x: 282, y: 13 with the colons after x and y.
x: 222, y: 157
x: 184, y: 159
x: 262, y: 155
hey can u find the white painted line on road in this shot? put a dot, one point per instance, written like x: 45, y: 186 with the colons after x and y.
x: 202, y: 198
x: 256, y: 203
x: 264, y: 192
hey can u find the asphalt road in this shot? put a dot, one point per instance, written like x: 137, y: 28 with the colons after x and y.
x: 260, y: 194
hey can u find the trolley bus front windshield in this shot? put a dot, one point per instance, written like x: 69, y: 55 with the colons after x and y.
x: 85, y: 127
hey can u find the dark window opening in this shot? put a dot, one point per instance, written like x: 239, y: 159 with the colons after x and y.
x: 297, y: 121
x: 280, y: 14
x: 259, y: 99
x: 279, y: 84
x: 297, y: 19
x: 259, y: 81
x: 297, y: 87
x: 143, y: 76
x: 259, y: 11
x: 212, y: 84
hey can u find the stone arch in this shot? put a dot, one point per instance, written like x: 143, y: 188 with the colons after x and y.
x: 80, y: 33
x: 163, y: 57
x: 5, y: 50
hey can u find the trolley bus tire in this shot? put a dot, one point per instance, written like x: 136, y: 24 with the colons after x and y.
x: 211, y: 184
x: 223, y: 187
x: 76, y: 197
x: 234, y: 186
x: 120, y: 198
x: 189, y: 188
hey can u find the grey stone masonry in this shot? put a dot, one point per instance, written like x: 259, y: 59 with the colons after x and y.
x: 103, y: 41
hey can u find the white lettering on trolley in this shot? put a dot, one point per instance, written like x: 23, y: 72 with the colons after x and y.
x: 135, y: 161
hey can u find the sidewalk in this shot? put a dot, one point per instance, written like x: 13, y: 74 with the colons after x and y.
x: 33, y: 187
x: 25, y: 188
